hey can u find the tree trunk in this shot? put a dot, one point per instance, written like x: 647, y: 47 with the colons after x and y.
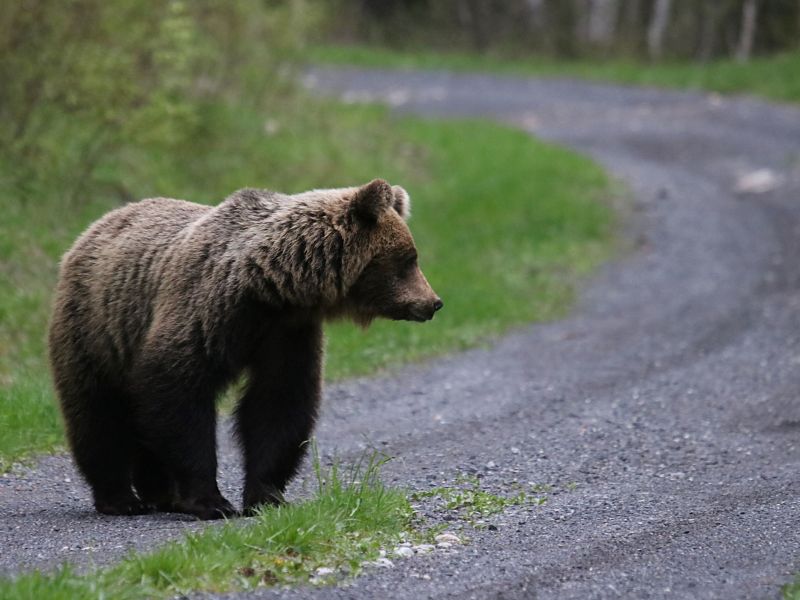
x: 658, y: 27
x: 473, y: 18
x: 630, y: 38
x: 748, y: 30
x: 536, y: 14
x: 561, y: 24
x: 711, y: 12
x: 602, y: 21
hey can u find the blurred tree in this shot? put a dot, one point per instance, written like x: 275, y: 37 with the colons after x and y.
x: 748, y: 31
x: 602, y: 20
x: 657, y: 28
x: 561, y: 18
x: 474, y: 17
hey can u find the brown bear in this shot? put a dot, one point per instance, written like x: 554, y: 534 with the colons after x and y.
x: 162, y: 303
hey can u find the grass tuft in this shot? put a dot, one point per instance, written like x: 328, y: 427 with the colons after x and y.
x: 470, y: 502
x: 28, y: 419
x: 791, y: 591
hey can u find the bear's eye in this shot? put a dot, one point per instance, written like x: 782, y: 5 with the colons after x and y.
x: 408, y: 264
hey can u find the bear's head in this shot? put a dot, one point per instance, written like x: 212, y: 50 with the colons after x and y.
x: 386, y: 281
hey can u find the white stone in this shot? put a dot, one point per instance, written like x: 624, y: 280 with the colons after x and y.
x: 759, y: 181
x: 383, y: 563
x: 450, y: 538
x: 403, y: 551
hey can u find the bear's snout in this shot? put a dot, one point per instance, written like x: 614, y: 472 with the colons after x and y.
x: 424, y: 311
x: 424, y: 301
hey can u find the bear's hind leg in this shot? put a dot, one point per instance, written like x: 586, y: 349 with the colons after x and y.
x: 275, y: 417
x: 176, y: 422
x: 99, y: 435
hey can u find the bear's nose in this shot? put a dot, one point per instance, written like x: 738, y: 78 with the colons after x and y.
x: 438, y: 304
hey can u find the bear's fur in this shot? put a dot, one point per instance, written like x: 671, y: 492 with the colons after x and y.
x: 162, y: 303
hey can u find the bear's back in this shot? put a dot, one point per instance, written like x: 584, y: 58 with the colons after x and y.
x: 109, y: 279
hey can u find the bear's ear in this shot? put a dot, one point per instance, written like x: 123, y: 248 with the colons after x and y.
x: 402, y: 202
x: 371, y: 200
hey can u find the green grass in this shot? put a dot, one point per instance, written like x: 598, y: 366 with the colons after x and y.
x: 349, y: 520
x: 791, y: 591
x: 504, y: 225
x: 776, y: 77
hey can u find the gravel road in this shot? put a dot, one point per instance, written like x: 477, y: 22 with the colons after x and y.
x: 671, y: 398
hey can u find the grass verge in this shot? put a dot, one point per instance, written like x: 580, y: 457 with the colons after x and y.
x: 353, y: 522
x: 329, y: 537
x: 504, y: 224
x: 773, y: 77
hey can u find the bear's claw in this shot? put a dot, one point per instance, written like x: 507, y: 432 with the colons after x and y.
x: 206, y: 509
x: 267, y: 495
x: 122, y: 506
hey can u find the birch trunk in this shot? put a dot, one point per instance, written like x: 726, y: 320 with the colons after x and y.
x: 602, y: 21
x: 748, y: 31
x: 658, y: 27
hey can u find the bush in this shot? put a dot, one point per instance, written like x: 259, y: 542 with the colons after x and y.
x: 84, y: 78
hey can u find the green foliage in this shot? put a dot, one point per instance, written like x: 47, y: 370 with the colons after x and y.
x: 774, y: 77
x: 102, y: 75
x: 351, y: 518
x: 28, y: 419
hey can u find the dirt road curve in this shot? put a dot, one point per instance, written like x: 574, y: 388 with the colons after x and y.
x: 672, y: 397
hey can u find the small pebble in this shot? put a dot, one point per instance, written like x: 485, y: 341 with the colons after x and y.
x: 381, y: 562
x: 447, y: 537
x: 403, y: 551
x: 323, y: 571
x: 424, y: 548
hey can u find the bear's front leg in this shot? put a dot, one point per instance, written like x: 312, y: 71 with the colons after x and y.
x: 276, y: 415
